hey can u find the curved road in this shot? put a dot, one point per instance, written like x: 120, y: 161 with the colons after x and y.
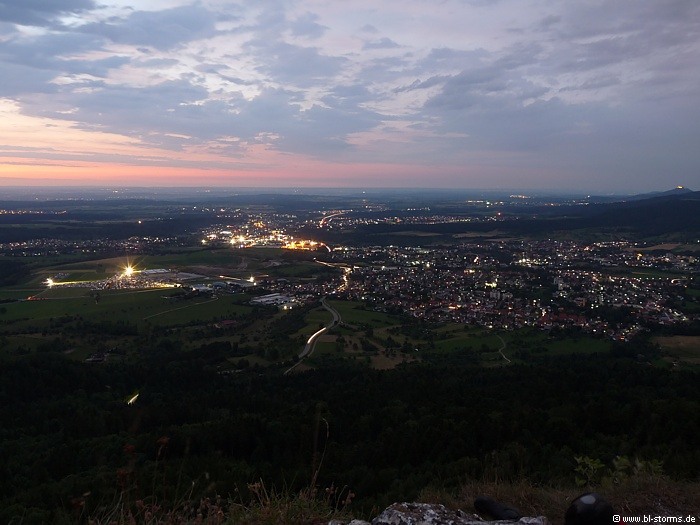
x: 311, y: 342
x: 503, y: 346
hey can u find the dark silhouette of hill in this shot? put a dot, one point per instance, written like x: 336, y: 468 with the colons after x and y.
x: 678, y: 191
x: 675, y: 211
x: 671, y: 212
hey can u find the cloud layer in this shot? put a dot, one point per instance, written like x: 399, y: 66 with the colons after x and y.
x: 592, y: 96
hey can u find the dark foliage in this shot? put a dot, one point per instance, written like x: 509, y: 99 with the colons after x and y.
x: 67, y: 428
x: 12, y: 271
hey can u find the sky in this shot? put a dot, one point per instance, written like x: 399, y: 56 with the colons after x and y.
x: 580, y: 95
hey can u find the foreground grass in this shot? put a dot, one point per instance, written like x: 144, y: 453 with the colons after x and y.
x: 637, y: 496
x: 266, y: 507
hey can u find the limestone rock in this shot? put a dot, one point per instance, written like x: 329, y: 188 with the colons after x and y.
x: 430, y: 514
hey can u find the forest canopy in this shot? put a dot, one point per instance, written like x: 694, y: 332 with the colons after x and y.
x: 68, y: 429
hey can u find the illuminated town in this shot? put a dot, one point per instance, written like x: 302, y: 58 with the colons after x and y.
x: 507, y: 284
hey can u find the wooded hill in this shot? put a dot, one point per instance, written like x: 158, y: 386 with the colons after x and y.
x: 68, y: 430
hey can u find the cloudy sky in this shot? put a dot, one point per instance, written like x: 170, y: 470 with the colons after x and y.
x: 590, y: 95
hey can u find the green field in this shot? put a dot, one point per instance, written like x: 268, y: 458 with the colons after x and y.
x: 299, y: 270
x: 61, y: 292
x: 203, y: 311
x: 157, y: 307
x: 352, y: 313
x: 581, y: 345
x: 454, y: 339
x: 199, y: 257
x: 684, y: 348
x: 646, y: 273
x: 28, y: 342
x: 468, y: 341
x: 18, y: 293
x: 315, y: 319
x: 324, y: 348
x: 112, y: 265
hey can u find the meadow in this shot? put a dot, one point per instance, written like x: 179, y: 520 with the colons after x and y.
x: 384, y: 338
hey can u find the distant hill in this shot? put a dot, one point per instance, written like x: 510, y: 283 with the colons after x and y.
x: 672, y: 212
x: 678, y: 191
x: 667, y: 212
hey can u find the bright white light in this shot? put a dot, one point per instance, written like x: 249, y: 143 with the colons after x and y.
x: 49, y: 282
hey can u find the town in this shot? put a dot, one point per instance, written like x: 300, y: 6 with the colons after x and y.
x: 608, y: 289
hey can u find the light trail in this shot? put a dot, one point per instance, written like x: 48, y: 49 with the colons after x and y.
x: 328, y: 217
x: 311, y: 343
x: 314, y: 336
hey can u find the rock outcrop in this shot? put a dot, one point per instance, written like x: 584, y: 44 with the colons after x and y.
x: 431, y: 514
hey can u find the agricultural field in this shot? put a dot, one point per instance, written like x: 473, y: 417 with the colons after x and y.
x: 680, y: 348
x: 353, y: 313
x: 388, y: 340
x: 80, y: 317
x: 313, y: 320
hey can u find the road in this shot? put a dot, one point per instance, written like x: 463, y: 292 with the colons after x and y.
x: 311, y: 342
x: 346, y: 271
x: 327, y: 218
x: 503, y: 346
